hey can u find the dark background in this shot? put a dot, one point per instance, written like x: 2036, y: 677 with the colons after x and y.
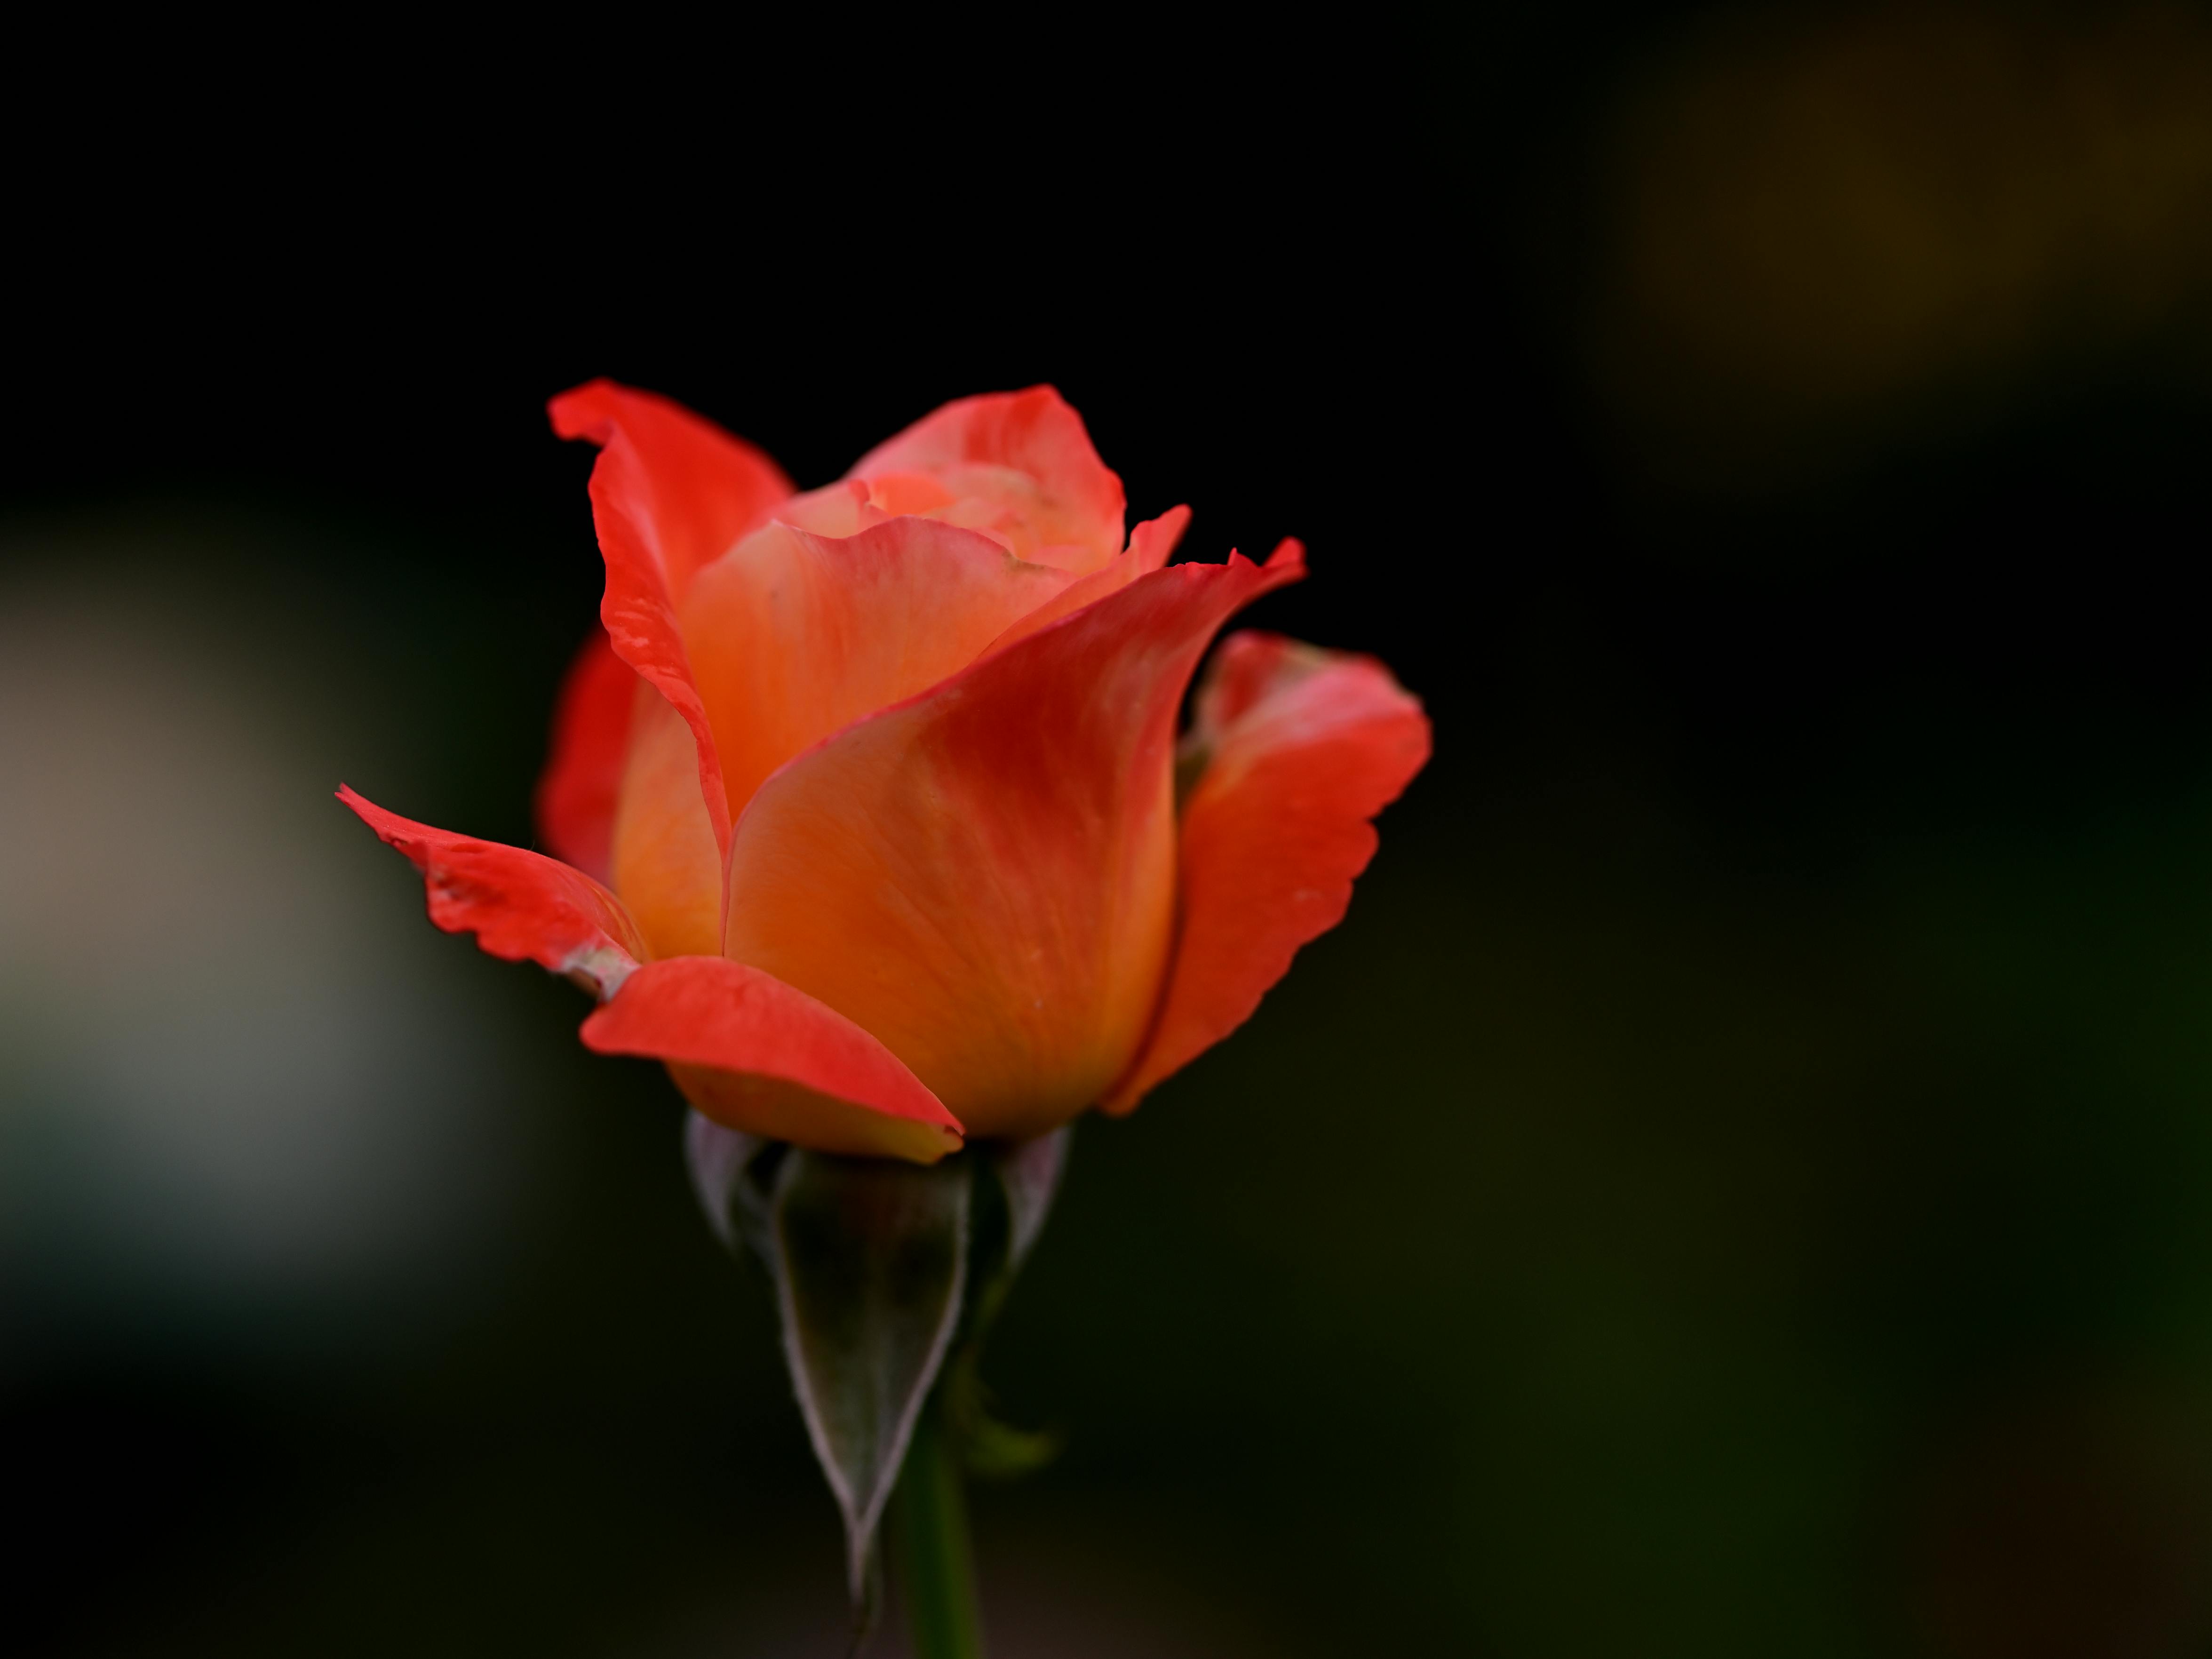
x: 1738, y: 1182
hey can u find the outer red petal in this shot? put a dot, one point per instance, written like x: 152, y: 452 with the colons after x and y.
x: 577, y: 791
x: 670, y: 492
x: 1301, y: 748
x: 984, y: 877
x: 971, y: 445
x: 754, y: 1054
x: 521, y: 906
x: 695, y: 487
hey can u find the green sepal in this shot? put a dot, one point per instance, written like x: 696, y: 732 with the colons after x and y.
x: 887, y: 1278
x: 1015, y: 1184
x: 871, y: 1260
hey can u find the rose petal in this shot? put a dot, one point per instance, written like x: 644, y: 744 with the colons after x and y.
x: 670, y: 493
x: 793, y: 635
x: 667, y: 866
x: 1300, y: 747
x: 1153, y: 542
x: 521, y: 906
x: 692, y: 489
x: 577, y: 791
x: 984, y: 877
x: 752, y: 1054
x: 1150, y: 545
x: 1017, y: 465
x: 842, y: 508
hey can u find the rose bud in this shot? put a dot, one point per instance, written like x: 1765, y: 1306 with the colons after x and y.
x: 865, y: 801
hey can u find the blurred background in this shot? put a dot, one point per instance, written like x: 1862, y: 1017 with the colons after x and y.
x: 1739, y: 1183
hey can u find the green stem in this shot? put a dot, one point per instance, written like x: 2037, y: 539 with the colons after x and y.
x: 936, y: 1567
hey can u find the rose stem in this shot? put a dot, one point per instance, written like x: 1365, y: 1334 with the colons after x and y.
x: 937, y: 1571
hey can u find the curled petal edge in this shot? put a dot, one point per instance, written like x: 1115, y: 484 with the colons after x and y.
x: 670, y: 493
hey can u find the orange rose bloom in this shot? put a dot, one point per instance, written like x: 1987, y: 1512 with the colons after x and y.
x: 866, y: 799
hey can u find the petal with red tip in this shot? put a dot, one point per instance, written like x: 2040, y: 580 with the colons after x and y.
x: 670, y: 493
x: 1300, y: 747
x: 521, y: 906
x: 792, y: 635
x: 984, y: 877
x: 1018, y: 465
x: 576, y: 793
x: 754, y: 1055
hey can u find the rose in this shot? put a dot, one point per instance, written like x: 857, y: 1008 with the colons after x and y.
x: 871, y: 818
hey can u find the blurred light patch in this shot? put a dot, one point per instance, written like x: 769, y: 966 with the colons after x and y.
x: 1823, y: 238
x: 2077, y: 1521
x: 232, y: 1103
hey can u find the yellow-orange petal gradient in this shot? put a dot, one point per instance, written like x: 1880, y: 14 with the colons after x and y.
x: 792, y: 634
x: 667, y: 867
x: 984, y: 877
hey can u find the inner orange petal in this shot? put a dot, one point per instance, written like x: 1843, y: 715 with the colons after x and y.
x: 667, y: 867
x: 793, y: 635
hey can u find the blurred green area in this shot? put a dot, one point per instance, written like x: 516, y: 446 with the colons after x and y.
x: 1736, y: 1184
